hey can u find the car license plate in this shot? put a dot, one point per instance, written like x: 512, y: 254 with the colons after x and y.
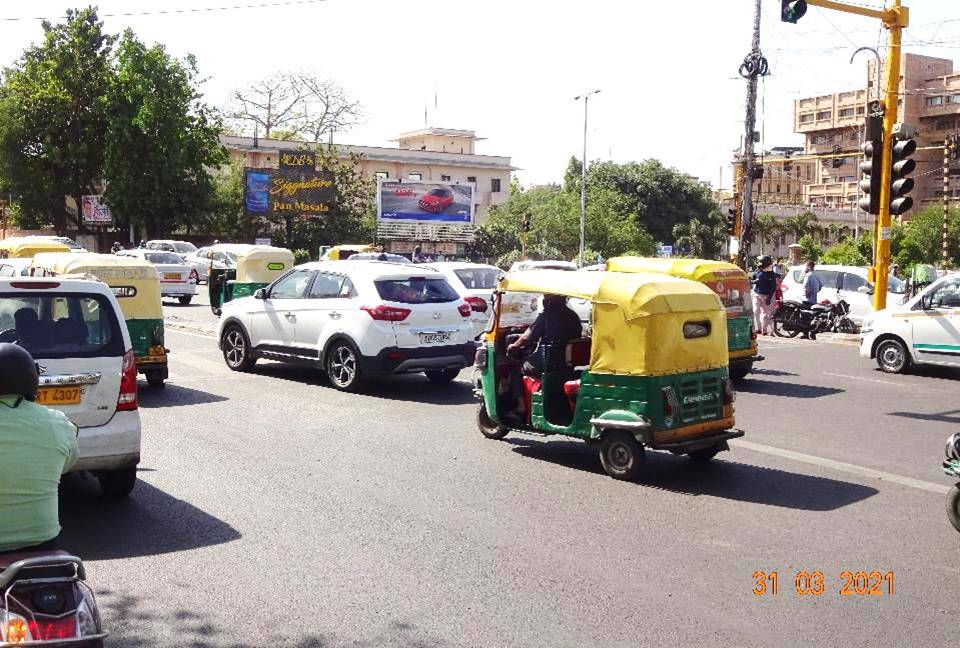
x: 59, y: 396
x: 434, y: 338
x: 172, y: 276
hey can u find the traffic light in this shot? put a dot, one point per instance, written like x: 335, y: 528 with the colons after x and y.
x: 792, y: 10
x: 732, y: 221
x: 900, y: 185
x: 525, y: 226
x: 870, y: 177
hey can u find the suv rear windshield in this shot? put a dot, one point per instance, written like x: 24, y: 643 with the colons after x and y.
x: 73, y: 325
x: 416, y: 290
x: 474, y: 278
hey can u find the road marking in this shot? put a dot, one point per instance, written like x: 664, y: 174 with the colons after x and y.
x: 863, y: 471
x: 873, y: 380
x: 180, y: 331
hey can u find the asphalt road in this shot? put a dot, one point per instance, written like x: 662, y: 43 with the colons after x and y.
x: 274, y: 510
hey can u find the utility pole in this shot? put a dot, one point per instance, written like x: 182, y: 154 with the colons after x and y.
x: 753, y: 66
x: 583, y: 171
x: 951, y: 146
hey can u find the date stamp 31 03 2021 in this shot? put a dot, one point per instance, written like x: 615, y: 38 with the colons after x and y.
x: 815, y: 583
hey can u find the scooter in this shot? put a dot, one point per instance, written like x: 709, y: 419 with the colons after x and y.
x: 47, y: 602
x: 951, y: 466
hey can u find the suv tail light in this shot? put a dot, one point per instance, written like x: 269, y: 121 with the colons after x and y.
x: 477, y: 304
x: 385, y: 313
x: 127, y: 401
x: 465, y: 309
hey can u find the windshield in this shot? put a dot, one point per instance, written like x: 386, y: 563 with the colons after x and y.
x: 417, y: 290
x: 896, y: 286
x: 183, y: 247
x: 162, y: 257
x: 58, y: 326
x: 478, y: 278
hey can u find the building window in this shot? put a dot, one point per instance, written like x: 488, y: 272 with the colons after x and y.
x: 953, y: 99
x: 820, y: 139
x: 778, y: 188
x: 845, y: 112
x: 445, y: 178
x: 495, y: 185
x: 809, y: 173
x: 934, y: 101
x: 788, y: 187
x: 823, y: 114
x: 944, y: 124
x: 806, y: 118
x: 381, y: 174
x: 417, y: 177
x: 861, y: 110
x: 846, y: 178
x: 472, y: 179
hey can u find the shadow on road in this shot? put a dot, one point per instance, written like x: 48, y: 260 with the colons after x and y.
x: 173, y: 395
x: 788, y: 390
x: 763, y: 371
x: 148, y: 523
x: 134, y: 622
x: 951, y: 416
x: 720, y: 478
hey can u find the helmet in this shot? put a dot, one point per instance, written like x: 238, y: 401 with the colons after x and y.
x: 765, y: 260
x: 18, y: 371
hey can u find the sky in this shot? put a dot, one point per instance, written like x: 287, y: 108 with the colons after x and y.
x: 509, y: 70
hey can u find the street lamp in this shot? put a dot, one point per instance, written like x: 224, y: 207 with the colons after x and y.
x: 583, y: 169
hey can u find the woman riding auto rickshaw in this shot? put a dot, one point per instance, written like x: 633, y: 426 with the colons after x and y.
x: 653, y: 375
x: 136, y: 285
x: 731, y: 285
x: 26, y: 247
x: 253, y: 267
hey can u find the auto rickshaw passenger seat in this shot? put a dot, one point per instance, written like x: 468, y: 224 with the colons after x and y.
x: 571, y: 390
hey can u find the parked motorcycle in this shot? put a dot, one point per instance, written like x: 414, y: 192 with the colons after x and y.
x: 793, y: 318
x: 46, y: 601
x: 951, y: 466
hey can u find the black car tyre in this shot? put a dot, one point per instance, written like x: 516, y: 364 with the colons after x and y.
x: 892, y: 356
x: 739, y: 371
x: 487, y: 427
x: 117, y: 484
x: 343, y: 366
x: 155, y: 379
x: 442, y: 376
x: 185, y: 299
x: 704, y: 455
x: 236, y: 349
x: 621, y: 455
x: 953, y: 507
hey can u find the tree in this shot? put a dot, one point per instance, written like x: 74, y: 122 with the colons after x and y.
x: 326, y: 108
x: 266, y: 105
x: 767, y: 229
x: 160, y: 142
x: 54, y: 111
x: 810, y: 249
x: 226, y: 216
x: 921, y: 238
x: 702, y: 236
x: 803, y: 224
x: 849, y: 251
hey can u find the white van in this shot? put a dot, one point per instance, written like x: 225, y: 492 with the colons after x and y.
x: 925, y: 330
x: 848, y: 283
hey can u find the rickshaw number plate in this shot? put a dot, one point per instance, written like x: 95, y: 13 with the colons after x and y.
x: 59, y: 396
x: 434, y: 338
x: 171, y: 275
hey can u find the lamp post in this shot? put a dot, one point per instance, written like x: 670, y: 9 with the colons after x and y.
x: 583, y: 169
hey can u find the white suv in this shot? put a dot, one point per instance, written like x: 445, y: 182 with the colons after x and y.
x: 354, y: 319
x: 75, y: 331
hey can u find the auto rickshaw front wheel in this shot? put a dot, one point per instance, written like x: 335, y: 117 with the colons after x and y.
x: 621, y: 455
x: 487, y: 426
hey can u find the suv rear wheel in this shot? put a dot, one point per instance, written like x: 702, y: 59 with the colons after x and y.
x: 236, y: 349
x: 117, y: 484
x: 343, y: 366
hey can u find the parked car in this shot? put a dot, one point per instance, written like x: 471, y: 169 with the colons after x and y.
x: 201, y: 261
x: 66, y: 240
x: 436, y: 200
x: 925, y: 330
x: 75, y: 331
x: 177, y: 279
x: 181, y: 248
x: 848, y: 283
x: 355, y: 320
x: 475, y: 282
x: 380, y: 256
x: 542, y: 265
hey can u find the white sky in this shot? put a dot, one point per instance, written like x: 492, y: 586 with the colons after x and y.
x: 510, y: 69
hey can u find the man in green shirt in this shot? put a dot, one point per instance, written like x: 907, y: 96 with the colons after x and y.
x: 37, y: 445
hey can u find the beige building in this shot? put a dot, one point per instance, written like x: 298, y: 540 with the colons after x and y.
x: 929, y: 100
x: 784, y: 177
x: 429, y: 154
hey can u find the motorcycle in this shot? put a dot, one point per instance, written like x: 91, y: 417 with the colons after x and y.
x: 951, y: 466
x: 46, y: 601
x: 793, y: 318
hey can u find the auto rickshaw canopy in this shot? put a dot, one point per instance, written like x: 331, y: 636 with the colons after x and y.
x: 639, y: 319
x: 26, y: 247
x: 342, y: 252
x: 701, y: 270
x: 135, y: 282
x: 262, y: 263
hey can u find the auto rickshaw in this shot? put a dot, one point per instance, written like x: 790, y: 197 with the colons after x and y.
x: 731, y: 285
x: 256, y: 266
x: 17, y: 247
x: 344, y: 252
x: 136, y: 285
x: 653, y: 375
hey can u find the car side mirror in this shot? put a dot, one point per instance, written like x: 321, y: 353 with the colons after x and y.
x: 260, y: 293
x: 864, y: 290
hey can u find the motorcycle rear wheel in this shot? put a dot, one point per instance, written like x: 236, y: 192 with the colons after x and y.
x: 953, y: 506
x: 779, y: 331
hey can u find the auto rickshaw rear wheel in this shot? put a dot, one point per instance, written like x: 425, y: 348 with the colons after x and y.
x: 704, y: 455
x: 117, y: 484
x: 953, y: 507
x: 487, y: 427
x: 739, y: 371
x: 155, y: 379
x: 621, y: 455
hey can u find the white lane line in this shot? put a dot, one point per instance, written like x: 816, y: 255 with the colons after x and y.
x: 179, y: 331
x: 863, y: 471
x: 873, y: 380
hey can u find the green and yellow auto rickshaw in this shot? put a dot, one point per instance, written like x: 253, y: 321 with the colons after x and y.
x: 253, y: 267
x: 731, y: 285
x: 136, y: 285
x: 25, y: 247
x: 653, y: 374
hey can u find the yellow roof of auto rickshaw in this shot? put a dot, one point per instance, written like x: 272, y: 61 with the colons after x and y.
x: 637, y: 294
x: 22, y: 247
x: 695, y: 269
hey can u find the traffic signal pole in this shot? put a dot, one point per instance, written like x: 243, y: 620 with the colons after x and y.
x: 744, y: 225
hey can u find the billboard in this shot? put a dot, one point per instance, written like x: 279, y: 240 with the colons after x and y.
x: 418, y: 202
x: 95, y: 211
x: 288, y: 191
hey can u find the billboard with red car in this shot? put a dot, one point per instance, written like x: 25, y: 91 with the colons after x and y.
x: 435, y: 202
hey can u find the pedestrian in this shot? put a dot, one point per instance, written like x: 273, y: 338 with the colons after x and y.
x: 764, y: 287
x: 811, y: 288
x: 417, y: 255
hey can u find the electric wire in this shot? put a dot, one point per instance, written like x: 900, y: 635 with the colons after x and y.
x: 175, y: 11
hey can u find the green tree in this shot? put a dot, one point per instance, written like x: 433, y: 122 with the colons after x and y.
x: 161, y: 140
x: 810, y: 248
x: 803, y: 224
x: 54, y: 111
x: 921, y: 238
x: 849, y: 251
x: 702, y: 236
x: 767, y: 228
